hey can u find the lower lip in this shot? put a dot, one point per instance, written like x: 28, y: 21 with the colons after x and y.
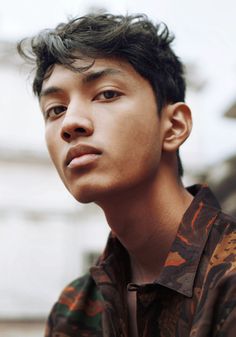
x: 82, y: 160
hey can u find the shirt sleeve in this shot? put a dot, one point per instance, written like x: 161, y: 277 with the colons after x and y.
x: 224, y: 311
x: 216, y: 315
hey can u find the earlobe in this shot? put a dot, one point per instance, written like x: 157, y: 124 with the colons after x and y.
x: 178, y: 125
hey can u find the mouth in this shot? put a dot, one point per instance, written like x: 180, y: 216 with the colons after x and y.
x: 81, y: 155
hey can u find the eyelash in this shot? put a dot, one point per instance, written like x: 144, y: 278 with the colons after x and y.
x: 115, y: 92
x: 51, y: 112
x: 48, y: 113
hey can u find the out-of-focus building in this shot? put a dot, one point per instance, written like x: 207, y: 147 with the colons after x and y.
x: 222, y: 176
x: 231, y: 112
x: 46, y: 238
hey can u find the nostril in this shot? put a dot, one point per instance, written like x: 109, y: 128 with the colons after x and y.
x: 66, y: 135
x: 80, y: 130
x: 70, y: 133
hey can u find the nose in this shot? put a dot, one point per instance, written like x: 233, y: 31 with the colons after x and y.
x: 74, y: 125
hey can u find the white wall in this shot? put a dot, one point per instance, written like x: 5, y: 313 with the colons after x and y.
x: 44, y: 235
x: 44, y: 232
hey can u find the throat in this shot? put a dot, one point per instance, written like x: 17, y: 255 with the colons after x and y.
x: 148, y: 230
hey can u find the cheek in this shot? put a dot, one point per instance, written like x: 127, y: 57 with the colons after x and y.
x: 53, y: 145
x: 136, y: 147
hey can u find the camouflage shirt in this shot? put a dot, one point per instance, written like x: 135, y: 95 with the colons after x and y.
x: 194, y: 295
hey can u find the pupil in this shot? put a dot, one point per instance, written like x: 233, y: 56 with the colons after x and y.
x: 109, y: 94
x: 58, y: 110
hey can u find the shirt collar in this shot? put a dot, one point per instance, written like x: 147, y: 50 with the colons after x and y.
x: 182, y: 262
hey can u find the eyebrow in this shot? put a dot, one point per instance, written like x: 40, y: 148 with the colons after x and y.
x: 49, y: 91
x: 98, y: 74
x: 87, y: 78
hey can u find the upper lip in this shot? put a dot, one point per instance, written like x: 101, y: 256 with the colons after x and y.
x: 80, y: 150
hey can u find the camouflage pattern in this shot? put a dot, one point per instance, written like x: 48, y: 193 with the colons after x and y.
x: 194, y: 296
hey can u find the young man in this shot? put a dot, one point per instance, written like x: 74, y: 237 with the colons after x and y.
x: 112, y: 94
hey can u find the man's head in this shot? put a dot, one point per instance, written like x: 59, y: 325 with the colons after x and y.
x: 133, y: 38
x: 79, y: 44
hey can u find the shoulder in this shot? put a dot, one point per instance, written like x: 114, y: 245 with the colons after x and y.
x: 77, y: 310
x: 221, y: 247
x: 223, y: 300
x: 216, y: 310
x: 79, y: 286
x: 227, y: 219
x: 81, y: 295
x: 224, y: 235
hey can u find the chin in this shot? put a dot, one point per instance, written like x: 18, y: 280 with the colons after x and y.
x: 85, y: 194
x: 84, y: 198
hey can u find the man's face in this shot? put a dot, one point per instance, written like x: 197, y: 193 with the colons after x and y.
x: 103, y: 131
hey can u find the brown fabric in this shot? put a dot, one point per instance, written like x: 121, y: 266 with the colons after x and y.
x: 194, y: 296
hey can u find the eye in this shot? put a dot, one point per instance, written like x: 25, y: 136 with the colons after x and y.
x: 107, y: 95
x: 55, y: 111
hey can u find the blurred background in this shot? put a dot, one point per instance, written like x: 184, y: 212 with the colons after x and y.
x: 46, y: 238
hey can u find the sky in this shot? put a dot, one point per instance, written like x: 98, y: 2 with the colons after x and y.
x: 205, y: 36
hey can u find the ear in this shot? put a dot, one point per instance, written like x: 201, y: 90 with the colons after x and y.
x: 177, y: 125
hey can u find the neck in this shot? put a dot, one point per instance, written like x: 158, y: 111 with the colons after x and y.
x: 146, y: 220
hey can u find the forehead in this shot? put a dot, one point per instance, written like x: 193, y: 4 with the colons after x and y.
x: 100, y: 69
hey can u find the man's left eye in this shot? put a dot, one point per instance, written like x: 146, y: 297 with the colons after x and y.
x: 107, y: 95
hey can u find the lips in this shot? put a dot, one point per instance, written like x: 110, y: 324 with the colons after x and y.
x: 81, y: 154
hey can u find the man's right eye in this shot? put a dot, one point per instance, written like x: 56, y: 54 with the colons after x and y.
x: 55, y: 111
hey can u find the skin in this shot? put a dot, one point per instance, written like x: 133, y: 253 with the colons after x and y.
x: 133, y: 173
x: 116, y: 126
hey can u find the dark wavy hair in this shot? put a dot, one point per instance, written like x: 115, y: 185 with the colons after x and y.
x: 134, y: 38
